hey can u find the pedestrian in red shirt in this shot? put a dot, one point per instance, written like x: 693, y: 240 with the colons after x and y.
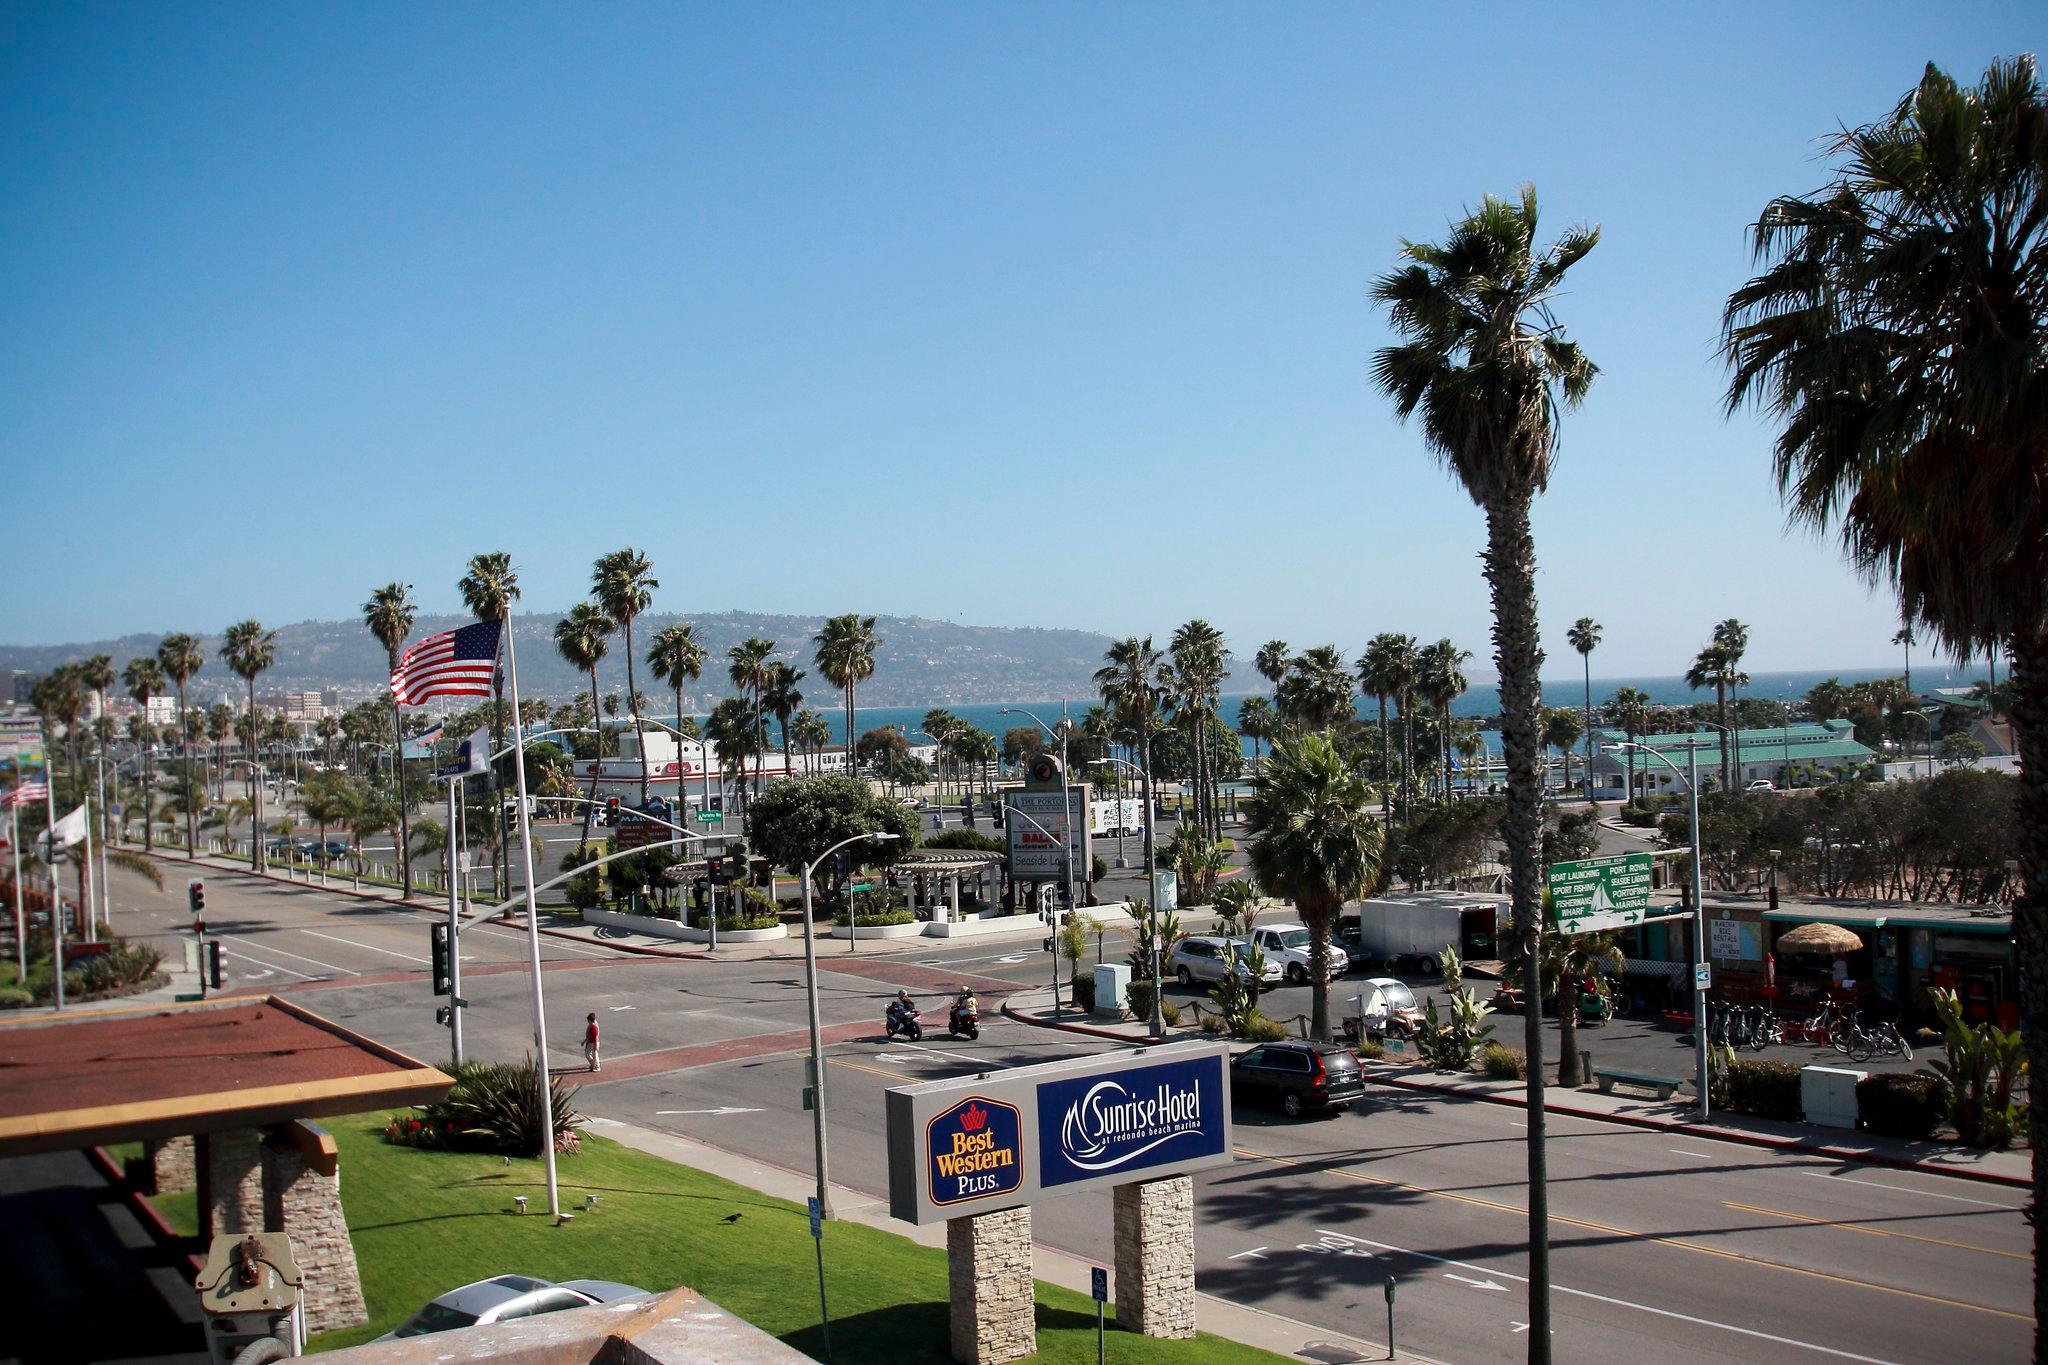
x: 590, y: 1040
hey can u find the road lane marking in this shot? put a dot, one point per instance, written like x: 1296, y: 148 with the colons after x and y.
x: 1625, y: 1303
x: 1703, y: 1156
x: 1493, y: 1285
x: 284, y: 952
x: 1631, y: 1235
x: 230, y: 952
x: 1907, y: 1189
x: 896, y: 1076
x: 721, y: 1111
x: 551, y: 943
x: 979, y: 1064
x: 1855, y: 1225
x: 407, y: 957
x: 1256, y: 1253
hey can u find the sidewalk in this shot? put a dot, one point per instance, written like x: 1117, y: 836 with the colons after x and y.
x: 2014, y: 1168
x: 1221, y: 1317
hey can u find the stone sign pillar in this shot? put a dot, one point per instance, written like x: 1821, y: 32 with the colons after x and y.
x: 171, y: 1164
x: 1155, y: 1257
x: 988, y: 1271
x: 233, y: 1187
x: 302, y: 1198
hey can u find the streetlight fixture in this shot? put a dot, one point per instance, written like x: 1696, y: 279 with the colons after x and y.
x: 811, y: 1003
x: 1691, y: 775
x: 1157, y: 1024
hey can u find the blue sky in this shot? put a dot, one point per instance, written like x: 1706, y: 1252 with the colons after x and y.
x: 1046, y: 315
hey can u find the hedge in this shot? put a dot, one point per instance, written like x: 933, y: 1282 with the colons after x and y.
x: 1504, y: 1063
x: 1898, y: 1106
x: 1765, y: 1090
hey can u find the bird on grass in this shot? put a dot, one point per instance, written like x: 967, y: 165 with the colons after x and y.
x: 730, y: 1218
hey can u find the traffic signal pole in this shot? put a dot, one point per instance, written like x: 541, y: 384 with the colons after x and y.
x: 454, y: 935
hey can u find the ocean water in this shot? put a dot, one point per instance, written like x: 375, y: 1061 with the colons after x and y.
x: 1481, y: 701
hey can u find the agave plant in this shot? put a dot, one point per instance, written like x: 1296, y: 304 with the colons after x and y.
x: 1981, y: 1066
x: 495, y: 1106
x: 1450, y: 1044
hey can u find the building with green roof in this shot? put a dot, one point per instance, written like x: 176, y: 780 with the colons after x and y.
x: 1771, y: 754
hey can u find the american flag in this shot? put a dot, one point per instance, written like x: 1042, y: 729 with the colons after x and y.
x: 455, y: 663
x: 25, y: 793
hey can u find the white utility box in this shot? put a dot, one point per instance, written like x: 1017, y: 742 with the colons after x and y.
x: 1112, y: 988
x: 1828, y: 1094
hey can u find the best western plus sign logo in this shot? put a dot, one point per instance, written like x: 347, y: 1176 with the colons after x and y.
x: 974, y: 1151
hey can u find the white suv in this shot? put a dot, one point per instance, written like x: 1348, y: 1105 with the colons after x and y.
x: 1201, y: 958
x: 1287, y: 945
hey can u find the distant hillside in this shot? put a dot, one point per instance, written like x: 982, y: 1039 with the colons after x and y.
x: 920, y: 662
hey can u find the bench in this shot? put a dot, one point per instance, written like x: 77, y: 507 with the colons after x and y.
x: 1665, y: 1086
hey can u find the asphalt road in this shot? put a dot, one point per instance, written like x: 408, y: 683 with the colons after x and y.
x: 1665, y: 1246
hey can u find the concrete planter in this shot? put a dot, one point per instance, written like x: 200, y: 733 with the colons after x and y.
x: 871, y: 931
x: 995, y: 926
x: 654, y: 927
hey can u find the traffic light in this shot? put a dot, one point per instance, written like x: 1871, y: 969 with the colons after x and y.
x: 439, y: 940
x: 611, y: 811
x: 195, y: 893
x: 212, y: 967
x: 714, y: 870
x: 841, y: 865
x: 444, y: 1015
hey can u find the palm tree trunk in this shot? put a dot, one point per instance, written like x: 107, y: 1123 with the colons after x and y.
x: 1588, y: 660
x: 1319, y: 972
x: 1386, y: 759
x: 255, y: 788
x: 185, y: 751
x: 1568, y: 1075
x: 1727, y: 740
x: 589, y: 805
x: 1407, y: 749
x: 1511, y: 575
x: 404, y: 850
x: 143, y: 766
x: 633, y: 705
x: 2028, y: 678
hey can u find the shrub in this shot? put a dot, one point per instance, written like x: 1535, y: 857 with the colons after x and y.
x: 727, y: 921
x: 493, y: 1107
x: 1372, y: 1049
x: 1891, y: 1105
x: 1766, y: 1090
x: 122, y: 966
x: 14, y: 998
x: 1260, y: 1029
x: 1169, y: 1013
x: 1504, y: 1063
x: 1084, y: 991
x: 1139, y: 997
x: 1100, y: 868
x: 1213, y: 1023
x: 873, y: 921
x: 972, y: 840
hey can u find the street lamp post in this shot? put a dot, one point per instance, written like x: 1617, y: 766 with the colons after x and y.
x: 1067, y: 867
x: 811, y: 1003
x: 1066, y: 785
x: 1699, y: 907
x: 1157, y: 1024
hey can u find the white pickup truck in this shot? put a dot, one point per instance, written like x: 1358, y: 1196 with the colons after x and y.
x: 1288, y: 946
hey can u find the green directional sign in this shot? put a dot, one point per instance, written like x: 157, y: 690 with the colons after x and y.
x: 1597, y: 894
x: 859, y: 886
x: 710, y: 817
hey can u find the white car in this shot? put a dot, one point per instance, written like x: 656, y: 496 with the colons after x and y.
x: 1200, y: 957
x: 1763, y: 784
x: 505, y: 1297
x: 1288, y: 945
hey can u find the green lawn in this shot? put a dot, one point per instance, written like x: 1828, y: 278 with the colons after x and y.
x: 425, y: 1222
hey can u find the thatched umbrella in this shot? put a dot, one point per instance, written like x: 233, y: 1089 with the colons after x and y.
x: 1831, y: 939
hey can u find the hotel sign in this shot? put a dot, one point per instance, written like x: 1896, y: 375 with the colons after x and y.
x: 1000, y: 1139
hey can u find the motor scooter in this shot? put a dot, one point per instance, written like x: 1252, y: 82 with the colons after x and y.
x: 963, y: 1021
x: 904, y: 1022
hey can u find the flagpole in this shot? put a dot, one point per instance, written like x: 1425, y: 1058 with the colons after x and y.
x: 540, y: 1022
x: 454, y: 937
x: 20, y: 913
x: 106, y: 891
x: 56, y: 888
x: 92, y: 923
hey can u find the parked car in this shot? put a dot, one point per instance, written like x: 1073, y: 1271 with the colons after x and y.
x: 1297, y: 1076
x: 1200, y: 957
x: 505, y: 1297
x: 1387, y: 1006
x: 1763, y: 784
x: 1288, y: 945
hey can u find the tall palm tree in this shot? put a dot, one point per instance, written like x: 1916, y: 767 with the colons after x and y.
x: 1562, y: 727
x: 96, y: 674
x: 1271, y: 661
x: 1255, y: 722
x: 582, y: 638
x: 144, y: 678
x: 1584, y: 636
x: 181, y: 657
x: 782, y: 700
x: 248, y: 649
x: 1127, y: 682
x: 389, y: 616
x: 1715, y: 666
x: 677, y: 657
x: 1441, y: 680
x: 1379, y: 678
x: 1313, y: 839
x: 1903, y: 637
x: 1898, y: 328
x: 1406, y: 676
x: 748, y: 667
x: 623, y: 583
x: 846, y: 658
x: 733, y: 734
x: 327, y: 730
x: 489, y: 588
x: 1630, y: 707
x: 1316, y: 693
x: 220, y: 727
x: 812, y: 734
x: 1487, y: 365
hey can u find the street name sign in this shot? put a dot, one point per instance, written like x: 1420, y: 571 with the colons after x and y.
x: 710, y: 817
x: 1596, y: 894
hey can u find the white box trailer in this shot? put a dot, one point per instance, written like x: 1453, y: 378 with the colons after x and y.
x: 1390, y: 927
x: 1108, y: 819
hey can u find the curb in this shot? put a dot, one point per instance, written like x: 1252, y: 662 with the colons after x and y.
x: 1089, y: 1029
x: 160, y: 1232
x: 355, y: 892
x: 1720, y: 1134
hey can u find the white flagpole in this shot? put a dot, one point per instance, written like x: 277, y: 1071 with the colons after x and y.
x: 106, y: 890
x: 56, y: 887
x: 20, y: 914
x: 540, y: 1022
x: 454, y: 935
x: 92, y: 923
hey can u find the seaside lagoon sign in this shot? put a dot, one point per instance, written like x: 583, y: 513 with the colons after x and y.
x: 1000, y: 1139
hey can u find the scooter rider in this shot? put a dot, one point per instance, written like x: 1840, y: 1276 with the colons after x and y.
x: 901, y: 1010
x: 964, y: 1005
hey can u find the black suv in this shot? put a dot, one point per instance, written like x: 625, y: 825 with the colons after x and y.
x: 1299, y: 1076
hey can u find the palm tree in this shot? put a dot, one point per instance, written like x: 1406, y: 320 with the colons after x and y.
x: 1714, y: 666
x: 144, y: 678
x: 677, y: 657
x: 1255, y: 722
x: 328, y: 729
x: 1406, y: 677
x: 1126, y: 680
x: 582, y: 638
x: 389, y: 615
x: 248, y: 649
x: 812, y: 734
x: 1561, y: 730
x: 220, y: 727
x: 1379, y: 678
x: 782, y: 700
x: 749, y: 668
x: 1440, y: 678
x: 1903, y: 637
x: 181, y: 657
x: 1584, y: 636
x: 623, y: 583
x: 1897, y: 329
x: 489, y: 589
x: 1488, y: 367
x: 846, y: 658
x: 1630, y: 707
x: 730, y: 728
x: 96, y: 675
x: 1316, y: 693
x: 1313, y: 839
x: 1271, y: 661
x: 1568, y: 959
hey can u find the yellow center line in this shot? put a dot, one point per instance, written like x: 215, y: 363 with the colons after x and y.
x: 1851, y: 1226
x: 1634, y: 1236
x: 862, y: 1066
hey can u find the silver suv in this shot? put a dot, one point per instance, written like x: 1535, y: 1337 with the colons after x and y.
x: 1201, y: 957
